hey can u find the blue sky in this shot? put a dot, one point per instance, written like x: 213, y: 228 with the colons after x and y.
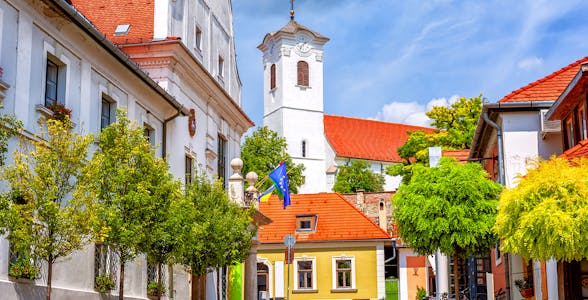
x: 394, y: 60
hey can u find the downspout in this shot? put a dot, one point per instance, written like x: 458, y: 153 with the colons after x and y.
x: 393, y: 252
x: 502, y: 182
x: 164, y: 137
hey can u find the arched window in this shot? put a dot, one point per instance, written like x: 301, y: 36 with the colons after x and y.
x: 303, y: 73
x: 303, y: 148
x: 273, y: 77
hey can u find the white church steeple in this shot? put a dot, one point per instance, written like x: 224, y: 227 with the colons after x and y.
x: 293, y: 97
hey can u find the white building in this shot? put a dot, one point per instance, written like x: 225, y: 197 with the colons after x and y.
x: 293, y: 107
x: 183, y: 65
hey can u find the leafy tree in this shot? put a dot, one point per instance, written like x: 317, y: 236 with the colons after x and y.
x: 129, y: 183
x: 545, y: 216
x: 357, y: 176
x: 451, y: 207
x: 216, y: 231
x: 456, y: 124
x: 9, y: 127
x: 263, y: 151
x: 36, y: 213
x: 162, y: 240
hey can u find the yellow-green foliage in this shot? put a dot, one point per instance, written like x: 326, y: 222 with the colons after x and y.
x: 546, y: 215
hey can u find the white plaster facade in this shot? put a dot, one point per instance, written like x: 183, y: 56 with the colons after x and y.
x: 31, y: 32
x: 295, y: 111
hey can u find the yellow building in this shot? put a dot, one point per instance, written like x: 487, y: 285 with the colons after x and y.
x: 338, y: 254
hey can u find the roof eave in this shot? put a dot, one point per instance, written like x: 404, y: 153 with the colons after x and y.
x: 553, y: 112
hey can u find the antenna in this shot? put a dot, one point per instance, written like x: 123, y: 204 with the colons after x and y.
x: 292, y: 10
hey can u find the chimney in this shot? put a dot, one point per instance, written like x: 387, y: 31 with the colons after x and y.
x: 360, y: 200
x: 383, y: 215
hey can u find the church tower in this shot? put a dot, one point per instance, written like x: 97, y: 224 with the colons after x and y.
x: 293, y: 97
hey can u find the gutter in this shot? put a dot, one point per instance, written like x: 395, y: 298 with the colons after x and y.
x: 490, y: 108
x: 83, y: 23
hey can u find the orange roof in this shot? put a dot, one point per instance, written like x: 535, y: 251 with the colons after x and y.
x: 106, y: 15
x: 338, y: 220
x: 460, y: 155
x: 367, y: 139
x: 580, y: 150
x: 547, y: 88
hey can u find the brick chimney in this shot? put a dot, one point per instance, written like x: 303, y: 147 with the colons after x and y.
x: 360, y: 200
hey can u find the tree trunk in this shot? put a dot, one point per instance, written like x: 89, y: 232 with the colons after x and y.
x: 121, y: 283
x: 49, y: 276
x: 456, y: 274
x: 159, y: 283
x: 195, y: 289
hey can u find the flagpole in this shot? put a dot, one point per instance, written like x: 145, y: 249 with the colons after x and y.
x: 262, y: 181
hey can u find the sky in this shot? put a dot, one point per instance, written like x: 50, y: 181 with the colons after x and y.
x: 394, y: 60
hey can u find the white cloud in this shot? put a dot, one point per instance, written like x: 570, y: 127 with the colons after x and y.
x: 412, y: 113
x: 530, y: 63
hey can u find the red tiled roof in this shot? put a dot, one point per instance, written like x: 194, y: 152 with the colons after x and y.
x: 106, y: 15
x: 547, y: 88
x: 338, y: 220
x: 460, y: 155
x: 578, y: 151
x: 367, y: 139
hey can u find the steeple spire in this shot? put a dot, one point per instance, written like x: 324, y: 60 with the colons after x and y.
x: 292, y: 10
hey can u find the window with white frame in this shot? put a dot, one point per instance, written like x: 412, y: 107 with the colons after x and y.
x: 189, y: 172
x: 149, y: 134
x: 198, y: 38
x: 54, y: 81
x: 343, y: 272
x: 107, y: 108
x: 305, y: 270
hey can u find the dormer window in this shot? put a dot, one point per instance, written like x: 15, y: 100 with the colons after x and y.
x: 306, y: 223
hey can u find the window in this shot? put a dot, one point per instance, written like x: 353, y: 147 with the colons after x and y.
x: 306, y: 222
x: 273, y: 77
x: 221, y: 66
x: 104, y: 262
x: 222, y: 160
x: 570, y: 139
x: 149, y: 134
x: 188, y: 170
x: 198, y: 38
x: 581, y: 117
x: 106, y: 113
x: 305, y: 278
x: 303, y: 149
x: 343, y: 269
x: 302, y: 73
x: 262, y: 277
x: 51, y: 82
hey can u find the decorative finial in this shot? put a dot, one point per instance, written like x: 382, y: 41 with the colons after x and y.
x: 292, y: 10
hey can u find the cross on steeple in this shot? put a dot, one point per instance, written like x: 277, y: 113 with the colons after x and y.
x: 291, y: 9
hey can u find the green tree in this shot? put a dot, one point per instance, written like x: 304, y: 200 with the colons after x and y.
x: 451, y: 207
x: 9, y: 127
x: 129, y: 181
x: 546, y: 214
x: 162, y: 240
x: 43, y: 214
x: 357, y: 176
x: 216, y: 231
x: 456, y: 124
x: 262, y: 151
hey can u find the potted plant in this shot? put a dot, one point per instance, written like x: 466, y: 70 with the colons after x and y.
x: 525, y: 287
x: 104, y: 283
x: 23, y: 268
x: 60, y: 112
x: 154, y: 289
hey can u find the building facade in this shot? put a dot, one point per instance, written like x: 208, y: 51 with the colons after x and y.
x: 170, y: 64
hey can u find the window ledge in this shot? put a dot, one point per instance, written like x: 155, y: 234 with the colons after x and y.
x: 344, y: 290
x: 43, y: 110
x: 309, y: 291
x: 303, y: 87
x: 273, y: 90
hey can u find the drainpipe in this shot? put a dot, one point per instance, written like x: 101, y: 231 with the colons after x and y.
x: 164, y: 137
x: 393, y: 252
x: 502, y: 182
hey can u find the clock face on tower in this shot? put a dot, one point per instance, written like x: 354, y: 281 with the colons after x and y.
x: 302, y: 43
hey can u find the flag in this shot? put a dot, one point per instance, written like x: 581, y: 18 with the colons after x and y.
x: 265, y: 195
x: 280, y: 178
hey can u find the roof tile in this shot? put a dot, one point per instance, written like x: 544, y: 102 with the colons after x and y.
x: 547, y: 88
x: 338, y: 220
x: 367, y: 139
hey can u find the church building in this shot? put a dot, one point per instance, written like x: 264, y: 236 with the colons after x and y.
x: 293, y: 59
